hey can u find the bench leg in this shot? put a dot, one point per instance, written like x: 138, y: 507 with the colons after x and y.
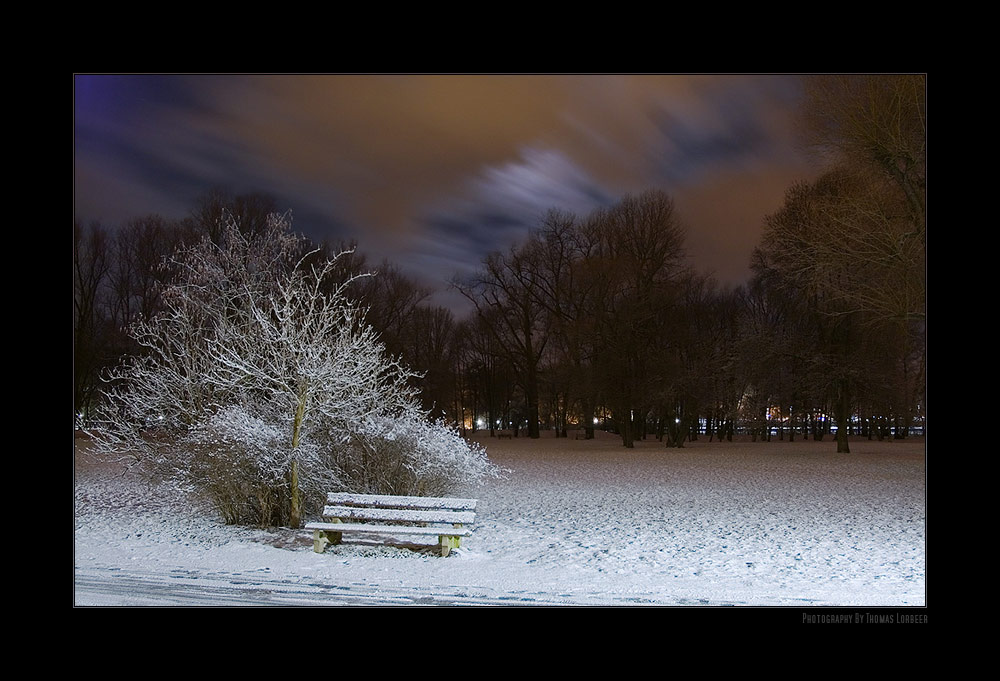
x: 448, y: 543
x: 322, y: 537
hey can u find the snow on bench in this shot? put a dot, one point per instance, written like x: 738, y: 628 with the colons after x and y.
x: 443, y: 517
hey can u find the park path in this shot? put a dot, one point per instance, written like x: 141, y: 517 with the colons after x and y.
x: 114, y: 587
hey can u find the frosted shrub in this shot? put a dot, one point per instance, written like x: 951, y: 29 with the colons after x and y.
x: 241, y: 462
x: 410, y: 455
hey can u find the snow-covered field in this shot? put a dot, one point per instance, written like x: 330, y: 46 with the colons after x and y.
x: 573, y: 523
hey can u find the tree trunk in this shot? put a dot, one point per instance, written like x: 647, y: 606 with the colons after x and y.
x: 295, y: 516
x: 295, y: 512
x: 588, y: 417
x: 628, y: 436
x: 843, y: 418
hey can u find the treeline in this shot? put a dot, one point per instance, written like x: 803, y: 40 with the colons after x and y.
x: 600, y: 321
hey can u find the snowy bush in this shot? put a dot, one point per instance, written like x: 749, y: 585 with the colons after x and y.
x: 409, y: 455
x: 242, y: 462
x: 262, y: 385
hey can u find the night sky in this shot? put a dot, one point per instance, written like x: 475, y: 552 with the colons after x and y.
x: 434, y: 172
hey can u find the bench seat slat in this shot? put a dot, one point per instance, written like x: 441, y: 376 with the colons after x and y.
x: 401, y: 515
x: 387, y: 501
x: 390, y: 529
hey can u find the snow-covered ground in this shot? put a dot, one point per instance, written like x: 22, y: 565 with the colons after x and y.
x: 573, y: 523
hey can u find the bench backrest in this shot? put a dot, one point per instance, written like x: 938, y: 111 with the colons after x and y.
x: 388, y: 501
x: 374, y: 507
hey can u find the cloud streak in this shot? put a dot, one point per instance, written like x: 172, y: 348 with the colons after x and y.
x: 434, y: 172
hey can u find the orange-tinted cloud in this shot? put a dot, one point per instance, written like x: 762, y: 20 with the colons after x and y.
x: 429, y: 170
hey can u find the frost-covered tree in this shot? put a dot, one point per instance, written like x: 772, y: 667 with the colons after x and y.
x: 260, y: 378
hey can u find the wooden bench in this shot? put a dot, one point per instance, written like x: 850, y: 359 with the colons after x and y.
x: 509, y: 434
x: 392, y: 517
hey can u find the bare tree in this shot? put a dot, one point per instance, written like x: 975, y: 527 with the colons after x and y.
x: 565, y: 289
x: 503, y: 295
x: 488, y: 369
x: 91, y: 266
x: 138, y: 274
x: 635, y: 263
x: 846, y: 236
x: 219, y: 207
x: 433, y: 350
x: 874, y: 122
